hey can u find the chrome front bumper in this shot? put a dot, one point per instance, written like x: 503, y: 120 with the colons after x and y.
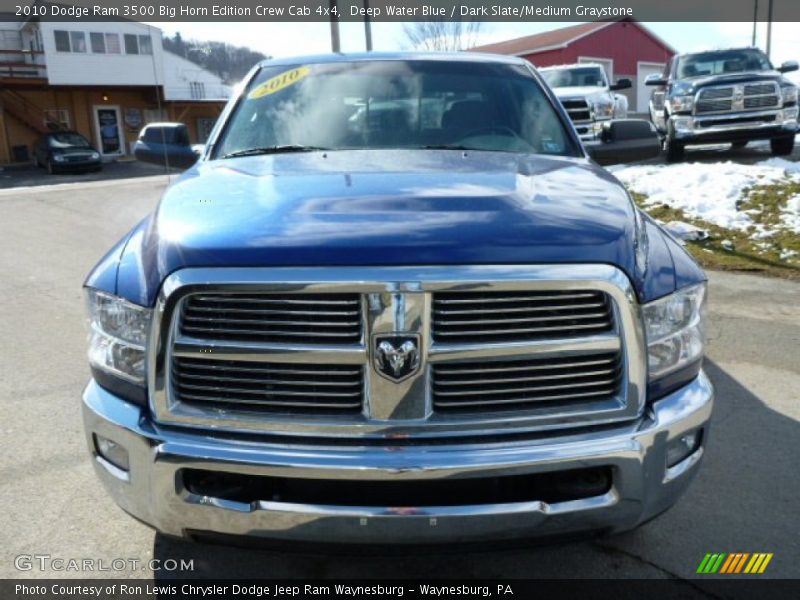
x: 701, y: 127
x: 152, y: 490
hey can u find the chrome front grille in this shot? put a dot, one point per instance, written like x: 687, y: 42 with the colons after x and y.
x: 577, y: 109
x: 269, y: 387
x: 514, y: 385
x: 483, y: 317
x: 498, y: 349
x: 280, y: 318
x: 737, y: 98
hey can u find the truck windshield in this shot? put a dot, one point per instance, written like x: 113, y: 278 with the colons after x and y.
x: 575, y: 77
x: 722, y: 62
x: 394, y: 104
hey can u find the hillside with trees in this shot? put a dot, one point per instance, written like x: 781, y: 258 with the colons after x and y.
x: 227, y: 61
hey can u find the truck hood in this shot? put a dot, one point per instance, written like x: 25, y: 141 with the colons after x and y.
x: 698, y: 82
x: 392, y: 207
x: 583, y: 91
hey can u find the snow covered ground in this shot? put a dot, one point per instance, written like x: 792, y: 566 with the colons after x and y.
x: 713, y: 191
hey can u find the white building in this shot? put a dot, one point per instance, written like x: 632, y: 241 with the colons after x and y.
x: 104, y: 80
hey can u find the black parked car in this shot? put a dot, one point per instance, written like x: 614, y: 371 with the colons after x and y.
x: 66, y: 151
x: 720, y: 96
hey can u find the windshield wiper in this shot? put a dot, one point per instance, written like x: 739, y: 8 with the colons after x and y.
x: 286, y: 148
x: 447, y: 147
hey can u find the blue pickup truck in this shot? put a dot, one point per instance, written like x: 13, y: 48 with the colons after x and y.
x: 397, y: 301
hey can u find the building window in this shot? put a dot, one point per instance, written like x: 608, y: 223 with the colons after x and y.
x: 145, y: 44
x: 98, y: 42
x: 62, y: 41
x: 197, y: 90
x: 77, y: 40
x: 131, y: 44
x: 56, y: 119
x: 70, y: 41
x: 112, y: 44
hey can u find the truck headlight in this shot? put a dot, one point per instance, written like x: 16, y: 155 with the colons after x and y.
x: 118, y: 335
x: 675, y: 330
x: 789, y: 94
x: 681, y: 103
x: 603, y: 109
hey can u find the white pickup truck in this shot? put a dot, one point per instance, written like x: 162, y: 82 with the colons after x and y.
x: 587, y: 95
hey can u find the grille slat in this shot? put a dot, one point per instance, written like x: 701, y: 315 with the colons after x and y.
x: 521, y: 400
x: 518, y: 316
x: 273, y: 318
x: 283, y: 404
x: 474, y: 386
x: 506, y: 309
x: 471, y: 382
x: 272, y: 387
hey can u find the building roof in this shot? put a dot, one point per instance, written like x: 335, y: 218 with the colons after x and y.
x: 557, y: 38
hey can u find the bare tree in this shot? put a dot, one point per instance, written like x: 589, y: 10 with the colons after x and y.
x: 442, y: 36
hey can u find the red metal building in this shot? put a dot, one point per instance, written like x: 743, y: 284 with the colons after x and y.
x: 625, y: 48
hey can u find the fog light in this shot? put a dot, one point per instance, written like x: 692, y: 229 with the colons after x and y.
x: 790, y: 114
x: 683, y: 447
x: 683, y: 124
x: 112, y: 452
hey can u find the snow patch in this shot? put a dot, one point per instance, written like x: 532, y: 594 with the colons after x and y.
x: 711, y: 191
x: 791, y: 214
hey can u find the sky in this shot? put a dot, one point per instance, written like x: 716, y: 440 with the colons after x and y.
x: 289, y: 39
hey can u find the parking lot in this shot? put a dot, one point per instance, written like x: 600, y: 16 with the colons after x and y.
x: 744, y: 499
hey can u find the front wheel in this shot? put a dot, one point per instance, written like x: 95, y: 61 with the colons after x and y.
x: 673, y: 148
x: 782, y: 146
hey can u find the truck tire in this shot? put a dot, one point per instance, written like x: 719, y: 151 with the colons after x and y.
x: 673, y: 148
x: 782, y: 146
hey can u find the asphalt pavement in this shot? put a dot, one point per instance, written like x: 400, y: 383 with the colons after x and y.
x: 745, y: 498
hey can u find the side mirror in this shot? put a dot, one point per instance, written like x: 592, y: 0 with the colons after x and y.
x: 655, y: 79
x: 625, y: 140
x: 167, y: 145
x: 789, y: 65
x: 622, y: 84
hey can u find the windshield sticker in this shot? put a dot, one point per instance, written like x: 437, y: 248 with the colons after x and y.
x: 279, y: 82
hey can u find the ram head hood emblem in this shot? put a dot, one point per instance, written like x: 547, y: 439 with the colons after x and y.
x: 396, y: 356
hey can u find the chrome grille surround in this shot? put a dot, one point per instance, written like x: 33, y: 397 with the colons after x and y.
x: 398, y: 299
x: 740, y: 97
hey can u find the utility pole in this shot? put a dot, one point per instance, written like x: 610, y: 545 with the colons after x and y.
x: 335, y: 45
x: 367, y: 26
x: 769, y: 27
x: 755, y: 22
